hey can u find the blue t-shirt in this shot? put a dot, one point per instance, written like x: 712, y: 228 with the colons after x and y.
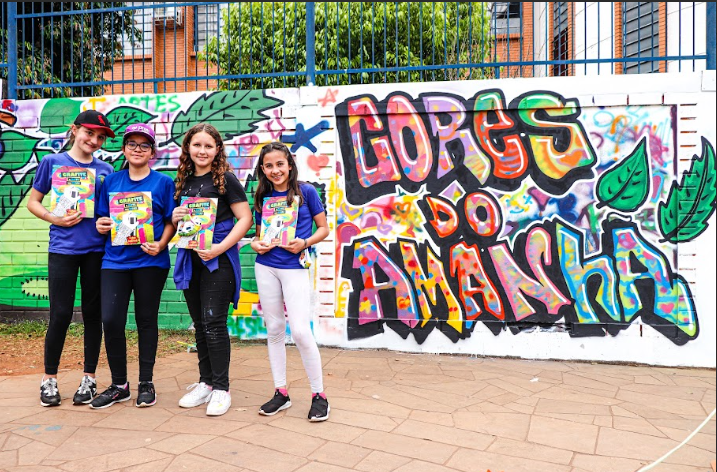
x: 280, y: 258
x: 162, y: 190
x: 83, y: 237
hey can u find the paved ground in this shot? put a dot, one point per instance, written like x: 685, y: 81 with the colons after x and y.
x: 391, y: 412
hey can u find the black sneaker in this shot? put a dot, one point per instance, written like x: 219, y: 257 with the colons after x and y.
x: 146, y: 395
x: 275, y: 405
x: 49, y: 395
x: 86, y: 391
x: 319, y: 409
x: 109, y: 397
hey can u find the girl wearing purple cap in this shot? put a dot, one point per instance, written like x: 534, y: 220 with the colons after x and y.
x: 211, y: 279
x: 139, y: 269
x: 75, y: 246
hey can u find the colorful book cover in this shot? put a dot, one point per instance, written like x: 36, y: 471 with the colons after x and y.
x: 131, y: 214
x: 278, y: 220
x: 73, y: 191
x: 196, y: 230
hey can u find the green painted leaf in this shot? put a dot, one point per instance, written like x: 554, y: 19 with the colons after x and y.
x: 119, y: 119
x: 15, y: 150
x: 58, y: 114
x: 626, y: 186
x: 232, y: 113
x: 12, y: 193
x: 683, y: 216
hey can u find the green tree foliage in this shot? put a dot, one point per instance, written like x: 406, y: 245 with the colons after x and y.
x: 270, y: 37
x: 69, y: 46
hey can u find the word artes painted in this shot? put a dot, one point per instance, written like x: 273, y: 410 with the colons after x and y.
x: 544, y: 279
x: 405, y: 141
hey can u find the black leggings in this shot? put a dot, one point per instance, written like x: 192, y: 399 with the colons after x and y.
x: 62, y: 279
x: 117, y: 286
x: 208, y: 298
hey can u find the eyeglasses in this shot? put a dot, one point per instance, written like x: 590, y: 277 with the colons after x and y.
x: 144, y: 147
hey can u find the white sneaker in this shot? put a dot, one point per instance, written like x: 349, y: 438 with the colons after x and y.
x: 199, y: 395
x: 219, y: 404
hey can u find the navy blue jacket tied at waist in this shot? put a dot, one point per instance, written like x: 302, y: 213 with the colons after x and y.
x: 183, y: 264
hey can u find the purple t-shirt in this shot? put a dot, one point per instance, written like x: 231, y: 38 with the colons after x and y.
x: 162, y: 188
x: 279, y: 258
x: 83, y: 237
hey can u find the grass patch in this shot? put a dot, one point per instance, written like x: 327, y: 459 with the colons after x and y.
x: 39, y: 328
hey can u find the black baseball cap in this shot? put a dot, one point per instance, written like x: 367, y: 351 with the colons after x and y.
x: 94, y: 120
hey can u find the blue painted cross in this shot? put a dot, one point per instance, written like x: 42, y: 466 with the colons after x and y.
x: 303, y: 137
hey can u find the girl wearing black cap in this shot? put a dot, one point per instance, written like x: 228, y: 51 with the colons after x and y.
x: 75, y: 246
x: 135, y: 268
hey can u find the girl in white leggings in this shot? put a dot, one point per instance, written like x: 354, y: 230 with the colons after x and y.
x: 282, y: 279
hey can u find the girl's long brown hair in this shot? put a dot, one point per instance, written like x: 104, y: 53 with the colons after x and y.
x: 186, y: 168
x: 264, y: 187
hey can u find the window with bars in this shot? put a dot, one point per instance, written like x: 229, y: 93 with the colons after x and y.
x: 641, y: 36
x: 142, y: 19
x: 207, y: 23
x: 560, y: 38
x: 505, y: 18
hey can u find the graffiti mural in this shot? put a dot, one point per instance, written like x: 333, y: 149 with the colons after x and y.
x: 477, y: 217
x: 32, y: 129
x: 514, y: 215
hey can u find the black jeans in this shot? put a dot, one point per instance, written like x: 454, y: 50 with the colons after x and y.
x: 62, y: 279
x: 208, y: 298
x: 117, y: 286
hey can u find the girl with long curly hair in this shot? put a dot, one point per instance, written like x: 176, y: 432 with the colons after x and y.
x: 210, y: 278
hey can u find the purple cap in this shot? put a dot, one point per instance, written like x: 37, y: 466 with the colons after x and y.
x: 142, y: 129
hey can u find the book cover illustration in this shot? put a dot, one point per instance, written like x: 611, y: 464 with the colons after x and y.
x: 131, y: 214
x: 73, y: 191
x: 278, y: 220
x: 196, y: 230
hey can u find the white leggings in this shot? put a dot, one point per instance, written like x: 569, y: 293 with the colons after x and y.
x: 290, y: 287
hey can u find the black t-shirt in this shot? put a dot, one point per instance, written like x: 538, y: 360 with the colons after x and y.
x: 203, y: 186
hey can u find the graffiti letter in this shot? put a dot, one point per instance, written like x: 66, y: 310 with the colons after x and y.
x: 483, y: 214
x: 368, y: 254
x: 512, y: 162
x: 577, y: 272
x: 429, y: 285
x: 575, y: 153
x: 444, y: 228
x: 517, y: 284
x: 401, y: 115
x: 464, y: 264
x: 474, y: 160
x: 364, y: 110
x: 673, y: 301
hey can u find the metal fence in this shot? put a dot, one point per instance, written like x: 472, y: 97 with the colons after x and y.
x: 54, y: 49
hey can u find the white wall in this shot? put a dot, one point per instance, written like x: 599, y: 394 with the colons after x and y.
x: 662, y: 105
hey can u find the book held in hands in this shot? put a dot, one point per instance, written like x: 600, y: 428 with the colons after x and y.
x: 196, y: 230
x: 131, y: 214
x: 73, y: 191
x: 278, y: 220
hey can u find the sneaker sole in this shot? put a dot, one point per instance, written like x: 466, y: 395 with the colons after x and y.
x: 145, y: 405
x: 84, y: 402
x: 50, y: 404
x: 218, y: 413
x: 110, y: 404
x: 319, y: 419
x: 282, y: 407
x: 189, y: 405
